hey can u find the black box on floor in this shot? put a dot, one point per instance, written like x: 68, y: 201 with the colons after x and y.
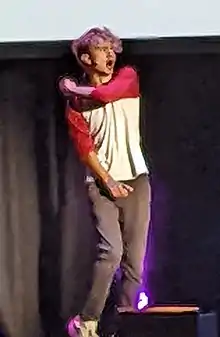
x: 168, y: 323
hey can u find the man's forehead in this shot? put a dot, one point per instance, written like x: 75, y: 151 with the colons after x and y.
x: 101, y: 44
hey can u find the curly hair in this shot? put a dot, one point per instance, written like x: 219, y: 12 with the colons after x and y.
x: 93, y: 37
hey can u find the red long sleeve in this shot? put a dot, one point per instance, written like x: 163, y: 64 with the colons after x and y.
x: 124, y: 85
x: 79, y: 132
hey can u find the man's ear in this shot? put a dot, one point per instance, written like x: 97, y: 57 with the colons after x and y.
x: 85, y: 59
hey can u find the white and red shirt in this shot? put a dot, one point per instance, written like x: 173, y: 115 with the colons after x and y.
x: 111, y: 126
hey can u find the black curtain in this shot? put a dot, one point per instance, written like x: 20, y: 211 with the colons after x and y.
x: 46, y: 230
x: 19, y: 209
x: 183, y: 138
x: 45, y: 215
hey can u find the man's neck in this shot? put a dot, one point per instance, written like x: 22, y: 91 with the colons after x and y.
x: 97, y: 79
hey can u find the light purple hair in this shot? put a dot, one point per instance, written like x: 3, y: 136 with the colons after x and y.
x: 93, y: 37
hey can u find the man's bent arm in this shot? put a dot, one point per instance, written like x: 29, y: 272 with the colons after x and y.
x: 124, y: 85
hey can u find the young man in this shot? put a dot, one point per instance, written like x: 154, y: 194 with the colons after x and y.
x: 103, y: 118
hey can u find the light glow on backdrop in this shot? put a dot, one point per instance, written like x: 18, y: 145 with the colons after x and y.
x: 39, y: 20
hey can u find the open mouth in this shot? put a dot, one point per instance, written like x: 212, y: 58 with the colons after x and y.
x: 109, y: 63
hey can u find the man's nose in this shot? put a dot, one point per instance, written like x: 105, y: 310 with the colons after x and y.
x: 110, y: 52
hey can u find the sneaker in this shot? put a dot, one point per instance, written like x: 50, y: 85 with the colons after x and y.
x: 76, y: 327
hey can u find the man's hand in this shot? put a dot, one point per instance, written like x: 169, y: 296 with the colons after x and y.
x: 117, y: 189
x: 67, y: 85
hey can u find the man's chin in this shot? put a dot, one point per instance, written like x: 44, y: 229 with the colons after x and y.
x: 106, y: 72
x: 109, y: 71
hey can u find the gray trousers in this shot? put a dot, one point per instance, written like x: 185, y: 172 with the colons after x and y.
x: 123, y: 228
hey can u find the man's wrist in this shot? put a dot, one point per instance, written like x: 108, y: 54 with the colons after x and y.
x: 105, y: 177
x: 110, y: 182
x: 83, y: 91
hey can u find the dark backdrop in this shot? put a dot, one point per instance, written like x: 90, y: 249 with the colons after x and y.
x: 46, y: 230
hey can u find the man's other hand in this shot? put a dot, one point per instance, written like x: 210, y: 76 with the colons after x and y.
x: 118, y: 189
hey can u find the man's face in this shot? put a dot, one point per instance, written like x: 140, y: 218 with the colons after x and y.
x: 102, y: 57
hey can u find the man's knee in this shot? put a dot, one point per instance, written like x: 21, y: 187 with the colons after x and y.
x: 115, y: 255
x: 112, y: 253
